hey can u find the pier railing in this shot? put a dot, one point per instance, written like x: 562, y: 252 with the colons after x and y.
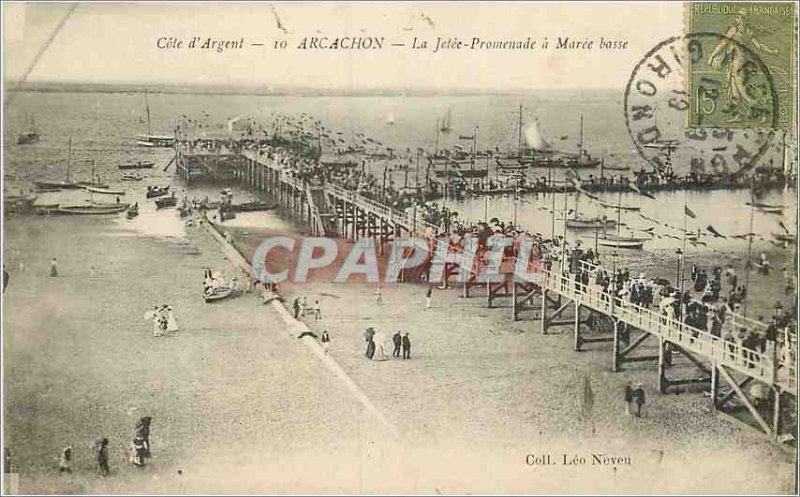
x: 750, y: 362
x: 409, y: 222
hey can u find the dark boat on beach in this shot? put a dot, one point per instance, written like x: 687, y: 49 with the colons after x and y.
x: 19, y: 203
x: 133, y: 211
x: 157, y: 191
x: 253, y: 206
x: 138, y: 165
x: 170, y: 201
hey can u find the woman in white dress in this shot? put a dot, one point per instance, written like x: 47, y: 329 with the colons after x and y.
x: 172, y: 323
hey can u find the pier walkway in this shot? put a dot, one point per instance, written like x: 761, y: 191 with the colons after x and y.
x: 330, y: 210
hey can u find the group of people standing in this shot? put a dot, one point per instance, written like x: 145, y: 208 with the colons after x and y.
x: 164, y: 320
x: 139, y: 451
x: 301, y: 308
x: 376, y: 345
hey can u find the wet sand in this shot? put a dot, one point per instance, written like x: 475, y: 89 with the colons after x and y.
x: 241, y: 406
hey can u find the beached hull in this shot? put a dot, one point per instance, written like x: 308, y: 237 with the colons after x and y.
x: 464, y: 173
x: 623, y: 207
x: 90, y: 211
x: 253, y: 206
x: 104, y: 191
x: 157, y: 193
x: 590, y: 223
x: 166, y: 202
x: 630, y: 244
x: 138, y: 165
x: 221, y: 294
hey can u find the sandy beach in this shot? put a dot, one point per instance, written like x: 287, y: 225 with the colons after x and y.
x: 480, y: 394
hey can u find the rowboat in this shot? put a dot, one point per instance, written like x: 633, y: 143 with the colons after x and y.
x: 620, y: 206
x: 157, y: 191
x: 50, y: 185
x: 784, y: 237
x: 590, y: 223
x: 253, y: 206
x: 132, y: 177
x: 768, y: 208
x: 133, y: 211
x: 138, y: 165
x: 166, y: 202
x: 91, y: 210
x: 213, y: 295
x: 226, y: 214
x: 19, y: 203
x: 103, y: 190
x: 621, y: 242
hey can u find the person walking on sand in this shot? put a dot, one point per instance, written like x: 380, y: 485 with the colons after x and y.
x: 326, y: 341
x: 64, y: 460
x: 296, y: 307
x: 397, y: 340
x: 628, y: 399
x: 303, y: 306
x: 142, y: 430
x: 428, y: 295
x: 317, y: 311
x: 406, y: 346
x: 53, y: 268
x: 639, y: 398
x: 379, y: 295
x: 102, y: 456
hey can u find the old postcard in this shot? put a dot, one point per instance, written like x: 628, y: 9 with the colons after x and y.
x: 400, y: 248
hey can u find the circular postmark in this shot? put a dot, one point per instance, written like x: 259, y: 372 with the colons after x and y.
x: 701, y: 103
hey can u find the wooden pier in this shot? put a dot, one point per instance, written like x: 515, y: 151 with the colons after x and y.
x: 330, y: 210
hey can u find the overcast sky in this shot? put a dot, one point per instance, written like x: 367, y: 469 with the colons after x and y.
x: 116, y: 43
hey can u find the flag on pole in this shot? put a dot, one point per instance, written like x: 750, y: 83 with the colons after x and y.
x: 689, y: 212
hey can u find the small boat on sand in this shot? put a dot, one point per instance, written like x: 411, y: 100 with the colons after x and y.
x: 84, y: 210
x: 138, y: 165
x: 784, y: 237
x: 170, y: 201
x: 215, y: 294
x: 106, y: 191
x: 132, y: 177
x: 253, y: 206
x: 133, y: 211
x: 157, y: 191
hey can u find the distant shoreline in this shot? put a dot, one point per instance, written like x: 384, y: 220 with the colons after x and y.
x: 48, y: 87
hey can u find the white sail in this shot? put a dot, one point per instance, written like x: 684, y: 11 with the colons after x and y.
x: 534, y: 137
x: 390, y: 118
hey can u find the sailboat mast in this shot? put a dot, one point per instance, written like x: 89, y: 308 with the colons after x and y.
x: 436, y: 146
x: 147, y: 107
x: 519, y: 138
x: 580, y: 144
x: 474, y: 147
x: 69, y: 158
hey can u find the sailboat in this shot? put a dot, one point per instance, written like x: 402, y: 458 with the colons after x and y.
x: 447, y: 122
x: 390, y: 119
x: 51, y: 185
x: 454, y: 165
x: 29, y: 136
x: 577, y: 222
x: 150, y: 140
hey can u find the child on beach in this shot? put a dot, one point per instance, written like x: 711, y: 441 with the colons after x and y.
x: 64, y: 460
x: 317, y: 311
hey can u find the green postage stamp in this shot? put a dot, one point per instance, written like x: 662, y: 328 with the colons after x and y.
x: 743, y: 75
